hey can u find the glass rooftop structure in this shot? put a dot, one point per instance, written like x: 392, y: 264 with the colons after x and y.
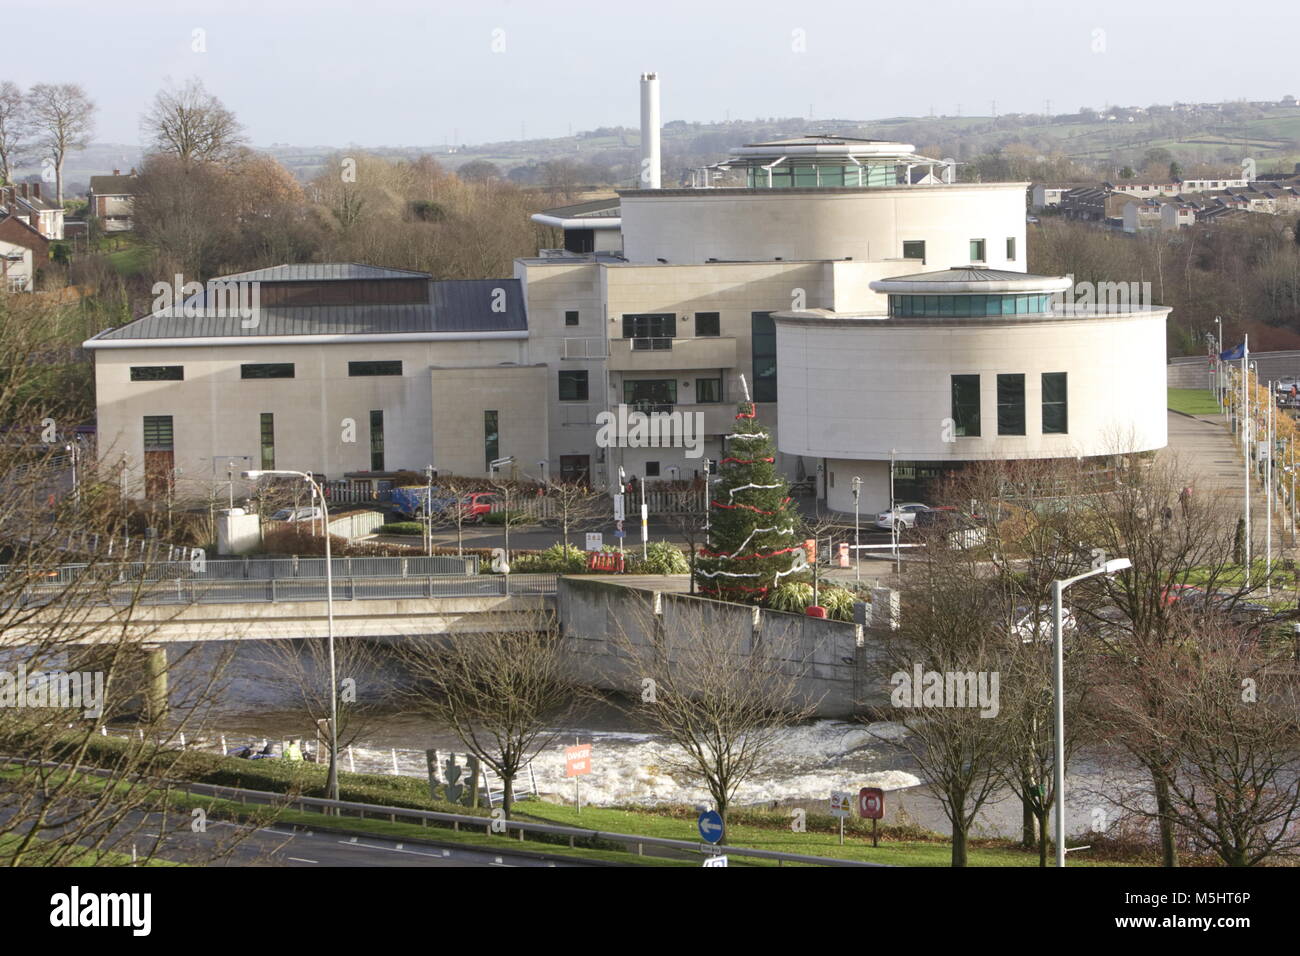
x: 830, y: 161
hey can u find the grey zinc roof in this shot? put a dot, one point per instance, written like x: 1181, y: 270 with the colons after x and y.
x: 458, y: 305
x: 323, y: 272
x: 595, y: 209
x: 967, y: 274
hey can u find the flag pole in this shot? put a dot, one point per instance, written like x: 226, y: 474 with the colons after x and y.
x: 1245, y: 438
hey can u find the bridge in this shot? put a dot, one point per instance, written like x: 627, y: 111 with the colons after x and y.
x: 163, y: 603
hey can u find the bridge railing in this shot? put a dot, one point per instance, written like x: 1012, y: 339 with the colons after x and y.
x: 183, y: 591
x: 262, y: 569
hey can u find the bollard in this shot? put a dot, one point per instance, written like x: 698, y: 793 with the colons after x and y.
x: 352, y: 764
x: 394, y: 761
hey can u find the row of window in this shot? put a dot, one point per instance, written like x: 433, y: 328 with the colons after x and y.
x: 915, y: 249
x: 159, y: 436
x: 655, y: 326
x: 574, y: 387
x: 176, y: 373
x: 1010, y: 404
x: 969, y: 305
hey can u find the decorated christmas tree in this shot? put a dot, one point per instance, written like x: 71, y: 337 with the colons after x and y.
x: 752, y: 545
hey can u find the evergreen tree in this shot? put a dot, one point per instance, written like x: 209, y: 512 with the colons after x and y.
x: 753, y: 538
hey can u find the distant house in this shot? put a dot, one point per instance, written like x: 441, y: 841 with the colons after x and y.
x: 1049, y: 195
x: 22, y: 250
x: 24, y: 201
x: 112, y: 200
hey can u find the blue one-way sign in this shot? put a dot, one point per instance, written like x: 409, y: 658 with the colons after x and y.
x: 710, y: 824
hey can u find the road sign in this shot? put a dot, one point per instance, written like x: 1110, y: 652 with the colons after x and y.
x: 595, y: 541
x: 620, y: 533
x: 577, y: 760
x: 618, y: 508
x: 719, y: 860
x: 871, y: 803
x: 841, y: 803
x: 710, y: 825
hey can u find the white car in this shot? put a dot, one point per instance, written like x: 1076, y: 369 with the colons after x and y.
x: 904, y: 513
x: 296, y: 514
x: 1030, y: 624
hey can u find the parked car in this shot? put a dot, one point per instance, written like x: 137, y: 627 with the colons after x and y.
x: 476, y: 505
x: 1191, y: 598
x: 297, y: 514
x: 904, y: 513
x: 1035, y: 624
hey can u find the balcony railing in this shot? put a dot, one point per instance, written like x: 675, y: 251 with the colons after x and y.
x: 653, y: 353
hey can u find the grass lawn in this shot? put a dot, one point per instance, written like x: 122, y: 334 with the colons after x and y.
x: 1193, y: 401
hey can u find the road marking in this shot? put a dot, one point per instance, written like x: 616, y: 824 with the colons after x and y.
x: 371, y: 846
x: 298, y: 859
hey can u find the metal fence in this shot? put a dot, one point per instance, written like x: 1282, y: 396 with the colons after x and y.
x: 193, y: 590
x: 259, y: 569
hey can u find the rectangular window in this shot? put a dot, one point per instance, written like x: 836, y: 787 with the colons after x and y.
x: 268, y: 441
x: 707, y: 324
x: 377, y: 440
x: 571, y: 318
x: 708, y: 391
x: 158, y: 433
x: 374, y: 368
x: 652, y: 469
x: 1056, y: 408
x: 914, y: 249
x: 1011, y: 404
x: 660, y: 326
x: 977, y: 250
x: 491, y: 440
x: 573, y: 386
x: 966, y: 405
x: 651, y: 394
x: 267, y: 370
x: 157, y: 373
x: 763, y: 331
x: 1011, y: 249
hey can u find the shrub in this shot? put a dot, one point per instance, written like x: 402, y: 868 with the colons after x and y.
x: 661, y: 558
x: 499, y: 517
x: 402, y: 527
x: 797, y: 596
x: 554, y: 560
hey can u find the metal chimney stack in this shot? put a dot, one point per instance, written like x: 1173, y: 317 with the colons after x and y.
x: 649, y: 130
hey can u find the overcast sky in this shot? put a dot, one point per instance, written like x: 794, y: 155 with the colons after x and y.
x: 413, y: 72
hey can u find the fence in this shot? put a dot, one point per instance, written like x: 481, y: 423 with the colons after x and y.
x: 192, y: 590
x: 264, y: 569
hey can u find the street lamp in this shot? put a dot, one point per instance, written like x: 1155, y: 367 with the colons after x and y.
x: 893, y: 514
x: 857, y: 531
x: 332, y: 785
x: 1113, y: 566
x: 505, y: 524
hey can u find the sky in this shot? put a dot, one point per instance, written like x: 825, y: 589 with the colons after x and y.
x: 426, y: 72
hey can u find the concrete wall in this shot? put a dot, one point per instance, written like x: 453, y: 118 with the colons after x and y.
x: 852, y: 389
x: 460, y: 396
x: 693, y: 225
x: 596, y: 616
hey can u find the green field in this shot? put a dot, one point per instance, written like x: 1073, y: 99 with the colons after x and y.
x: 1193, y: 401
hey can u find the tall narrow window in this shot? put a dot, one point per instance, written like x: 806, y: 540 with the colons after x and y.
x: 1011, y: 249
x: 708, y: 390
x: 1011, y: 404
x: 159, y: 456
x: 966, y: 405
x: 1056, y: 408
x: 977, y: 250
x: 763, y: 333
x: 491, y: 440
x: 268, y: 441
x: 377, y: 440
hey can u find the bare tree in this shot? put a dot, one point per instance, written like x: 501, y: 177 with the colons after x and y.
x: 944, y: 667
x: 13, y: 128
x: 62, y: 117
x: 504, y: 693
x: 302, y: 668
x: 577, y: 507
x: 192, y: 124
x: 723, y: 699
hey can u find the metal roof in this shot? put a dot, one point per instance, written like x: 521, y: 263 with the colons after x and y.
x: 595, y: 209
x: 967, y: 274
x: 457, y: 305
x: 322, y: 272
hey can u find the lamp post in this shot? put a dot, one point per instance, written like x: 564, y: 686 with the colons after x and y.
x: 893, y: 515
x: 505, y: 524
x: 1218, y: 363
x: 332, y: 785
x: 857, y: 550
x: 1058, y: 691
x: 429, y: 472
